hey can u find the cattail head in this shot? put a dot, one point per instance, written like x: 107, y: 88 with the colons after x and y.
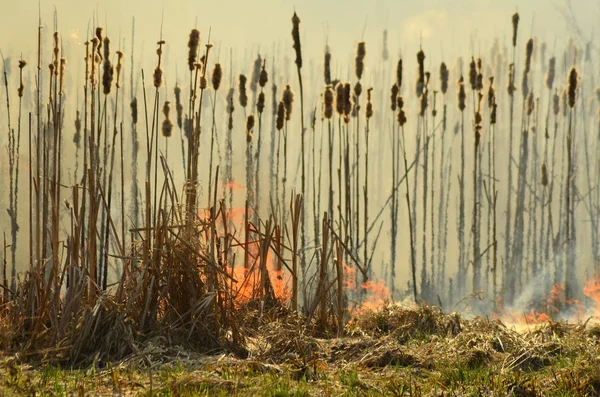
x: 230, y: 108
x: 249, y: 127
x: 328, y: 103
x: 217, y: 74
x: 444, y: 74
x: 327, y: 68
x: 193, y: 45
x: 178, y: 106
x: 369, y: 112
x: 462, y: 96
x: 511, y: 80
x: 296, y: 39
x: 256, y: 73
x: 242, y: 89
x: 280, y: 119
x: 524, y: 86
x: 551, y: 73
x: 77, y: 135
x: 399, y: 74
x: 544, y: 175
x: 556, y: 103
x: 203, y: 82
x: 528, y: 55
x: 107, y: 68
x: 134, y: 110
x: 394, y: 97
x: 348, y: 104
x: 401, y: 116
x: 493, y: 112
x: 530, y: 104
x: 359, y: 61
x: 22, y: 64
x: 424, y: 103
x: 167, y: 125
x: 119, y: 67
x: 572, y: 87
x: 473, y: 74
x: 264, y: 76
x: 515, y: 25
x: 288, y: 100
x: 260, y: 103
x: 357, y: 89
x: 491, y: 93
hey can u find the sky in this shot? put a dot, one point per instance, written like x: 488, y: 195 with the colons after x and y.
x: 260, y: 24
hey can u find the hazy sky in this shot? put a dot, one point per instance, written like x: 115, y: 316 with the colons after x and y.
x: 447, y: 25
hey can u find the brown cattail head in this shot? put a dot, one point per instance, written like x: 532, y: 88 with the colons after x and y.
x: 217, y: 75
x: 256, y: 73
x: 22, y: 64
x: 530, y: 104
x: 134, y: 110
x: 167, y: 125
x: 528, y: 55
x: 242, y: 89
x: 551, y: 73
x: 515, y: 25
x: 444, y: 75
x: 511, y: 80
x: 260, y: 103
x: 339, y: 98
x: 288, y: 100
x: 369, y: 111
x: 296, y: 39
x: 230, y: 107
x: 264, y: 76
x: 250, y: 123
x: 424, y: 103
x: 421, y: 73
x: 572, y: 87
x: 107, y: 68
x: 491, y: 93
x: 357, y: 89
x: 327, y: 68
x: 158, y: 73
x: 359, y: 61
x: 348, y: 105
x: 544, y: 175
x: 524, y: 86
x: 462, y: 96
x: 119, y: 67
x: 328, y: 103
x: 193, y: 45
x: 280, y: 120
x: 178, y: 106
x: 399, y: 75
x: 473, y: 74
x: 493, y: 113
x: 556, y: 103
x: 394, y: 97
x: 401, y: 116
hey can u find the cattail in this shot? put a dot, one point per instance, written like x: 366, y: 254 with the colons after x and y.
x: 249, y: 127
x: 565, y: 101
x: 22, y: 64
x: 217, y: 74
x: 357, y: 89
x: 77, y: 135
x: 556, y: 103
x: 242, y: 88
x: 444, y: 74
x: 401, y: 117
x: 473, y: 74
x: 94, y: 62
x: 421, y: 73
x: 107, y: 72
x: 359, y: 61
x: 178, y: 106
x: 119, y: 67
x: 530, y: 104
x: 193, y: 44
x: 398, y: 76
x: 493, y: 113
x: 327, y: 70
x: 288, y: 100
x: 348, y: 105
x: 515, y: 24
x: 260, y: 103
x: 572, y: 87
x: 551, y: 73
x: 134, y: 110
x: 230, y: 107
x: 424, y: 102
x: 264, y: 76
x: 158, y: 71
x: 99, y: 38
x: 462, y: 96
x: 525, y: 86
x: 511, y: 80
x: 544, y: 175
x: 256, y: 73
x: 187, y: 127
x: 280, y: 116
x: 528, y: 54
x: 339, y: 98
x: 394, y: 96
x: 369, y: 110
x: 491, y: 93
x: 296, y: 39
x: 328, y: 103
x: 167, y: 126
x: 203, y: 82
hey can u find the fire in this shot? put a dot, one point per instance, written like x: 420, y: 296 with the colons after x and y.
x: 377, y: 295
x: 592, y: 291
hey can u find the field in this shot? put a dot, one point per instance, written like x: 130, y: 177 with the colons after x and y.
x: 409, y: 229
